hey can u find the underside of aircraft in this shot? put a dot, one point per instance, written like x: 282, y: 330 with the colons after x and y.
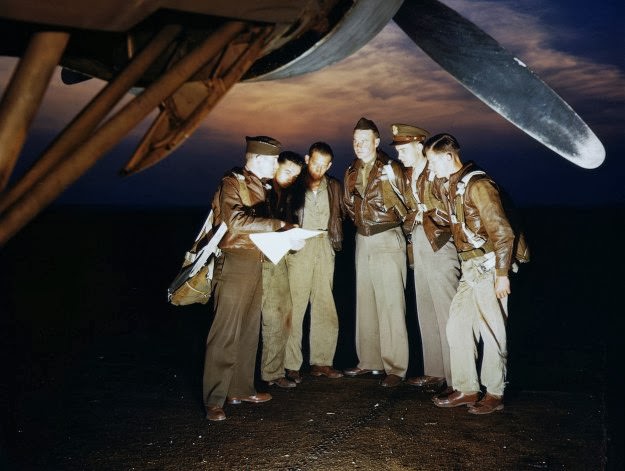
x: 184, y: 55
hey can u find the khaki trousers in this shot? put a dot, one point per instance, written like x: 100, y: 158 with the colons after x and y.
x: 436, y: 276
x: 233, y: 338
x: 311, y: 276
x: 276, y: 318
x: 477, y: 313
x: 381, y: 337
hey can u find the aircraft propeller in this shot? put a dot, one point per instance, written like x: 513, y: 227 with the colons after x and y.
x: 499, y: 79
x: 184, y: 62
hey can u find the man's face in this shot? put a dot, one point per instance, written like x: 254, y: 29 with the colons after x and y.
x: 365, y: 144
x: 318, y: 164
x: 266, y: 165
x: 287, y: 173
x: 440, y: 163
x: 409, y: 153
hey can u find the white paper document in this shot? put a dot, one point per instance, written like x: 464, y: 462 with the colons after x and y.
x: 276, y: 244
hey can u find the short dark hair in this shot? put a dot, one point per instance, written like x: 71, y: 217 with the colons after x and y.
x: 442, y: 143
x: 322, y: 148
x: 291, y: 157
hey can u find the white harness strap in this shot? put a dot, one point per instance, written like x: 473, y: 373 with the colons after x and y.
x: 421, y: 206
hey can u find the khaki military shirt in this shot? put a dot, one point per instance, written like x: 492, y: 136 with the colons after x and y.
x: 317, y: 208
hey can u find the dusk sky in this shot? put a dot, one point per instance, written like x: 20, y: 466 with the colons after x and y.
x: 578, y: 48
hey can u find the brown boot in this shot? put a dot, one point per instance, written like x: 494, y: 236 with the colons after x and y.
x: 487, y: 405
x: 254, y: 398
x: 282, y: 383
x: 317, y: 370
x: 215, y: 413
x: 456, y: 399
x: 294, y: 375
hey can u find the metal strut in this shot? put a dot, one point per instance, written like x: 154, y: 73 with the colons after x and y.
x: 183, y: 111
x: 86, y: 121
x: 23, y: 96
x: 112, y: 131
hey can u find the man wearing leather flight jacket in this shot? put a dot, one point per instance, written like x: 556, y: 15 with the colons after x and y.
x: 436, y: 267
x: 484, y: 240
x: 381, y: 336
x: 232, y: 343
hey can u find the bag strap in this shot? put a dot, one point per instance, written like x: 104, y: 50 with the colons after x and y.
x: 191, y: 254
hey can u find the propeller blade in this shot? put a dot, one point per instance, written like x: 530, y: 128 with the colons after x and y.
x: 363, y: 20
x: 499, y: 79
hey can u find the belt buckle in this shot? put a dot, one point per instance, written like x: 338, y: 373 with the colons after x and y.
x: 487, y: 264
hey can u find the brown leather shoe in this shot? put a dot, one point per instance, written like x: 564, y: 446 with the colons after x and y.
x: 488, y: 404
x: 391, y: 381
x: 294, y: 375
x: 446, y: 391
x: 215, y: 413
x: 317, y: 370
x: 355, y: 371
x: 456, y: 399
x: 282, y: 383
x: 429, y: 381
x: 255, y: 398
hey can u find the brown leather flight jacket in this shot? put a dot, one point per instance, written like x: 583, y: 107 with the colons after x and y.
x: 484, y: 215
x: 229, y: 206
x: 368, y: 211
x: 435, y: 218
x: 337, y: 213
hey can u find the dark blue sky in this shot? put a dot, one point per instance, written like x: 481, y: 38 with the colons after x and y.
x: 578, y: 48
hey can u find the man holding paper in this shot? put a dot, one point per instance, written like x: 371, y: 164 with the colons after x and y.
x: 276, y: 305
x: 240, y: 202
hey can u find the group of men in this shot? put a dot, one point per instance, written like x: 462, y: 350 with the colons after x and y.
x: 459, y: 239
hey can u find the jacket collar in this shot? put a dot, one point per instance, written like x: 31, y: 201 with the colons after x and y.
x: 467, y: 167
x: 380, y: 160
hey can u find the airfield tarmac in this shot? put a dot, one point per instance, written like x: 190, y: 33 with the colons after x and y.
x: 100, y: 373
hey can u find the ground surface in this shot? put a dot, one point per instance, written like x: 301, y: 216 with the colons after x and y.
x: 99, y: 373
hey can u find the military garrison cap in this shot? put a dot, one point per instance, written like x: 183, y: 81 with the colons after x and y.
x: 367, y: 124
x: 404, y: 133
x: 263, y: 145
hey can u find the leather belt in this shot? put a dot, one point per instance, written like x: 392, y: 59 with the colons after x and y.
x: 252, y: 254
x: 469, y: 254
x: 376, y: 229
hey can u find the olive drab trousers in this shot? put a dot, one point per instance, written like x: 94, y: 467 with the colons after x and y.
x: 276, y: 318
x: 233, y: 338
x: 381, y: 336
x: 311, y: 277
x: 477, y: 313
x: 436, y: 276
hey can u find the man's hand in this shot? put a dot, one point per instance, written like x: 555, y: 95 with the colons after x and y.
x: 297, y: 244
x: 285, y: 226
x: 502, y: 286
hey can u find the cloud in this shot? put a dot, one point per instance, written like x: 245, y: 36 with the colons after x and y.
x: 389, y: 80
x: 577, y: 79
x: 392, y: 80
